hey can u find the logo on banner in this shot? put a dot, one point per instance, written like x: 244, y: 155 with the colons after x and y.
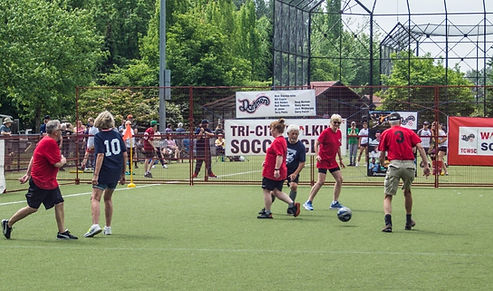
x: 246, y: 106
x: 475, y: 141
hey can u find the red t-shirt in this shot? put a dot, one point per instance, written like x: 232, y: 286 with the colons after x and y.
x: 279, y: 147
x: 148, y: 137
x: 43, y: 171
x: 329, y: 144
x: 398, y: 141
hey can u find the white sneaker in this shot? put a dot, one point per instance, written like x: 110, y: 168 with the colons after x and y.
x: 93, y: 230
x: 357, y: 164
x: 107, y: 230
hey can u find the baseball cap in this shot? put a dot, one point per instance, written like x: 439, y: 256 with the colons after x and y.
x: 153, y: 122
x: 47, y: 117
x: 204, y: 121
x: 394, y: 116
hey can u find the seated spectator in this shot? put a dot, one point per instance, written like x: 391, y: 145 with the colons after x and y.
x: 220, y: 146
x: 171, y: 150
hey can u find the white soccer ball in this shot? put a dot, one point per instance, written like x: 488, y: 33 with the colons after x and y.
x: 344, y: 214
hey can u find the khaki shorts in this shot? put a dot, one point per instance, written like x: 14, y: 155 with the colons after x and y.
x: 399, y: 169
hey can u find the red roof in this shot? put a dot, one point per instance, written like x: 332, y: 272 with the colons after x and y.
x: 321, y: 87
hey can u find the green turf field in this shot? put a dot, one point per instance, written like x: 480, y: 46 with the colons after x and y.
x: 207, y: 237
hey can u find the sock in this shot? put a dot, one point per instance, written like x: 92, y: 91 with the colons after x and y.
x: 388, y: 219
x: 408, y: 219
x: 292, y: 195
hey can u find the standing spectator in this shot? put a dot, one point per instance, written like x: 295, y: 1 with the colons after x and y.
x: 275, y: 172
x: 42, y: 128
x: 6, y: 129
x: 219, y: 143
x: 79, y: 131
x: 149, y: 148
x: 352, y: 141
x: 159, y: 144
x: 43, y: 186
x: 88, y: 161
x: 327, y: 146
x: 442, y: 149
x: 110, y: 169
x: 131, y: 147
x: 398, y: 142
x: 219, y: 129
x: 203, y: 133
x: 363, y: 142
x: 425, y: 136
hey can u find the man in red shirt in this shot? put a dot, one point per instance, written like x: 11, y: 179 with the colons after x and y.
x: 327, y: 146
x: 398, y: 142
x: 43, y: 186
x: 149, y: 148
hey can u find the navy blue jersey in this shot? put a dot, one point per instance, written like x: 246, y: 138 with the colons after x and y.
x: 110, y: 143
x: 201, y: 141
x: 296, y: 154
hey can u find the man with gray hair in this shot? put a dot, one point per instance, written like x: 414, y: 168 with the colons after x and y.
x: 398, y: 142
x: 43, y: 186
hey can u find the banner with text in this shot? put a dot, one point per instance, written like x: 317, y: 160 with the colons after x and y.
x: 252, y: 136
x: 470, y: 141
x: 275, y: 103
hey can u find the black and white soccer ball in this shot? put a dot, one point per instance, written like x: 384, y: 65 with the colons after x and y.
x: 344, y: 214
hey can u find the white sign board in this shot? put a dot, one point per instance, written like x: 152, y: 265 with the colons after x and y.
x: 475, y: 141
x: 252, y: 136
x: 275, y: 103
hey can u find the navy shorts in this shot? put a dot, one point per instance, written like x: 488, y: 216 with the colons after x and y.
x: 35, y: 196
x: 295, y: 180
x: 270, y: 185
x: 324, y: 171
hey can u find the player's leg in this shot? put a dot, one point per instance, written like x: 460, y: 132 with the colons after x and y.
x: 337, y: 188
x: 108, y: 210
x: 97, y: 192
x: 322, y: 173
x: 293, y: 186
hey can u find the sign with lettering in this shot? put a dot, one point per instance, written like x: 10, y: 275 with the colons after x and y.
x: 252, y: 136
x: 470, y: 141
x: 275, y: 103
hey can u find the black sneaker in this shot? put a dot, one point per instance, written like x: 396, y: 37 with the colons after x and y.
x: 387, y: 228
x: 65, y: 235
x: 261, y: 211
x: 264, y: 215
x: 410, y: 226
x: 6, y: 229
x: 294, y: 210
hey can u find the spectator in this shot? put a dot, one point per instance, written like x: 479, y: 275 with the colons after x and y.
x: 131, y: 147
x: 219, y: 129
x: 169, y: 129
x: 6, y: 129
x: 159, y: 144
x: 180, y: 128
x: 171, y: 149
x: 425, y: 136
x: 363, y: 142
x: 203, y: 133
x: 88, y: 161
x: 352, y: 140
x: 42, y: 128
x: 149, y: 148
x: 220, y: 147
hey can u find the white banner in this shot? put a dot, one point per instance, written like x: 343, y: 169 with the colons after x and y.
x: 252, y: 136
x: 2, y: 166
x: 475, y: 141
x: 409, y: 119
x: 275, y: 103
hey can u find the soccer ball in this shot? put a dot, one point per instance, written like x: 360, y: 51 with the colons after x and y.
x: 344, y: 214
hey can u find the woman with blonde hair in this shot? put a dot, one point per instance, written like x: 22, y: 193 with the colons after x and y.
x: 111, y: 159
x: 327, y: 146
x: 275, y: 172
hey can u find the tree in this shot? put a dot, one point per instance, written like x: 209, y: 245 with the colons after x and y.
x: 458, y: 101
x: 46, y: 51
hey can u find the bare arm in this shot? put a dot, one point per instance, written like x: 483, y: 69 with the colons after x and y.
x: 62, y: 162
x: 340, y: 157
x: 27, y: 175
x: 422, y: 153
x: 124, y: 168
x: 278, y: 166
x: 382, y: 158
x: 97, y: 169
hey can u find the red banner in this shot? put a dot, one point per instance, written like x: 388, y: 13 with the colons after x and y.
x: 470, y: 141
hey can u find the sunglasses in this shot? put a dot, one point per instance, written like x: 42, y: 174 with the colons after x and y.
x: 336, y: 122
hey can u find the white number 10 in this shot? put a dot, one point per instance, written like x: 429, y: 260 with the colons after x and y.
x: 115, y: 147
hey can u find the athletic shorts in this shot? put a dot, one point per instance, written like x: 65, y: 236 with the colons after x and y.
x: 35, y: 196
x: 365, y: 145
x: 324, y: 171
x: 110, y: 186
x: 442, y: 149
x: 295, y: 180
x: 397, y: 170
x: 149, y: 154
x: 270, y: 185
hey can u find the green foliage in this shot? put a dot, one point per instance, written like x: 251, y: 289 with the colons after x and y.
x: 46, y: 51
x: 457, y: 101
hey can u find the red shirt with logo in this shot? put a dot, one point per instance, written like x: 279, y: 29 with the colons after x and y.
x: 148, y: 137
x: 329, y: 144
x: 45, y: 156
x: 398, y: 141
x: 279, y: 147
